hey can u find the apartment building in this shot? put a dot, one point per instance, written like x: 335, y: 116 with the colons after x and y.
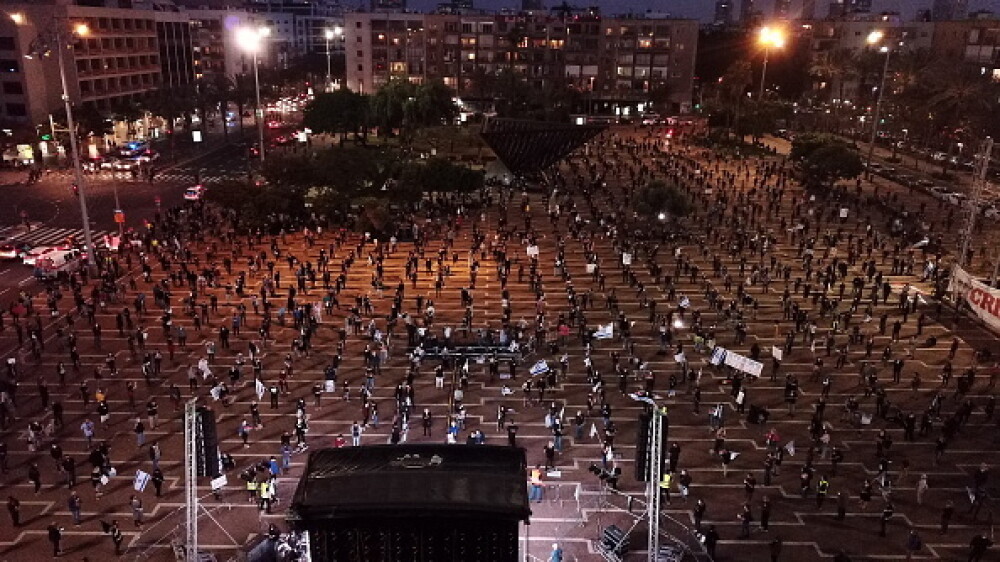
x: 215, y: 48
x: 975, y: 42
x: 611, y: 59
x: 123, y: 54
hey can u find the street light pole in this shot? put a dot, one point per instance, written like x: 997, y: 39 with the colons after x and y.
x: 878, y: 109
x: 763, y: 72
x: 329, y: 71
x: 260, y: 110
x: 88, y: 236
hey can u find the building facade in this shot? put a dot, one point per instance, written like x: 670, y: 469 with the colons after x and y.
x: 124, y: 54
x: 723, y: 13
x: 606, y: 58
x: 949, y: 10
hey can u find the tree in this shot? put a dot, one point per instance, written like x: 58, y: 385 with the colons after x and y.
x: 658, y: 197
x: 830, y: 163
x: 388, y: 105
x: 89, y: 120
x: 806, y: 143
x: 243, y: 94
x: 223, y: 92
x: 431, y: 104
x: 127, y: 111
x: 732, y: 91
x: 342, y: 111
x: 439, y: 175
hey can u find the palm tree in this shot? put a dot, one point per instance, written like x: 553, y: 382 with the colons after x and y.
x: 836, y: 69
x: 732, y: 89
x: 170, y: 103
x: 960, y: 104
x: 243, y: 94
x: 224, y: 91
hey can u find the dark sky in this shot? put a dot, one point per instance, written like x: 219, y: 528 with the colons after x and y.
x: 703, y: 9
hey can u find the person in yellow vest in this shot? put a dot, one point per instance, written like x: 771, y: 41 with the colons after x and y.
x: 252, y: 489
x: 665, y: 481
x: 264, y: 489
x: 536, y: 484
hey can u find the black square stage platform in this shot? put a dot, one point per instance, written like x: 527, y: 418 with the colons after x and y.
x: 413, y: 503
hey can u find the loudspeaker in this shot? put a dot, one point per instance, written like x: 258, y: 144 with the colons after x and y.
x: 642, y: 448
x: 206, y: 443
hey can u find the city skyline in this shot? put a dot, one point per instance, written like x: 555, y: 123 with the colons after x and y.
x: 704, y: 10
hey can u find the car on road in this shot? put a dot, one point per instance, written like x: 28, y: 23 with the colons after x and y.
x: 651, y: 119
x: 126, y: 164
x: 194, y: 193
x: 957, y: 199
x: 13, y: 251
x: 32, y: 256
x: 149, y: 155
x: 939, y: 192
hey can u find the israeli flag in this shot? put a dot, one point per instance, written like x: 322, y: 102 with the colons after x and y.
x: 605, y: 332
x: 540, y: 367
x: 718, y: 356
x: 685, y: 302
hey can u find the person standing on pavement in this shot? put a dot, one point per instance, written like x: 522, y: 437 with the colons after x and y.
x: 14, y: 509
x: 557, y: 553
x: 887, y: 513
x: 157, y: 479
x: 711, y: 540
x: 55, y: 537
x: 136, y: 504
x: 978, y: 547
x: 913, y: 544
x: 35, y: 477
x: 75, y: 505
x: 921, y: 489
x: 775, y: 548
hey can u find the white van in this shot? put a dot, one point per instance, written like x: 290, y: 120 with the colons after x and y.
x: 51, y: 265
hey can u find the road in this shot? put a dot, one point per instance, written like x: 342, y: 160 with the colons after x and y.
x: 54, y: 211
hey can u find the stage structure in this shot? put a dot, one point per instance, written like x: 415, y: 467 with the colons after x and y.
x: 422, y: 502
x: 528, y: 147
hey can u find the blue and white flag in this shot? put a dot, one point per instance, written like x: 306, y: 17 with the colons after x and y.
x: 540, y: 367
x: 718, y: 356
x: 605, y: 332
x: 685, y: 302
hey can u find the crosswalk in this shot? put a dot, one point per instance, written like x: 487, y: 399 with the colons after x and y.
x: 48, y: 235
x: 177, y: 175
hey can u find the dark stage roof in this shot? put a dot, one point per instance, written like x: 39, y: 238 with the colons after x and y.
x: 526, y: 146
x: 407, y: 480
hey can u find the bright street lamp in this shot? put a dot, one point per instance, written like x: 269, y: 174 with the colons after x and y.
x: 251, y: 40
x: 769, y: 37
x: 875, y: 38
x: 53, y: 38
